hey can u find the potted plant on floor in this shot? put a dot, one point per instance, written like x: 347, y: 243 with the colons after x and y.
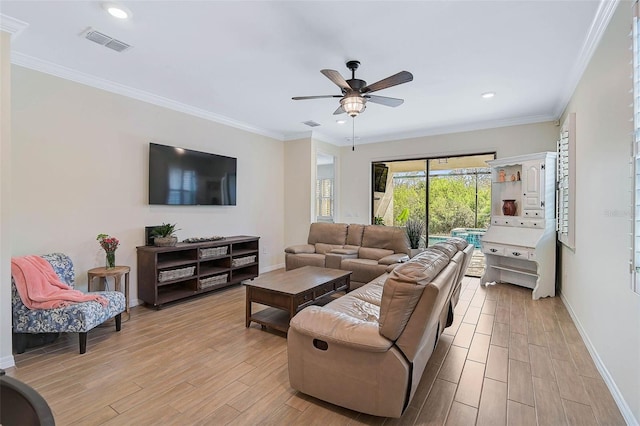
x: 163, y: 235
x: 415, y: 230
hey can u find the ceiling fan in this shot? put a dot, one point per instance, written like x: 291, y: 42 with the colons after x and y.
x: 356, y: 93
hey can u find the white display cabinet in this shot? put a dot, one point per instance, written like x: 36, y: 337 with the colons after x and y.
x: 520, y: 248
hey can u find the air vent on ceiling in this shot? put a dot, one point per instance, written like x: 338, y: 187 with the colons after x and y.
x: 311, y: 123
x: 106, y: 41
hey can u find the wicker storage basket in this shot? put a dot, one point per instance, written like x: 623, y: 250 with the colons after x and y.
x: 213, y: 252
x: 243, y: 261
x: 211, y: 281
x: 174, y: 274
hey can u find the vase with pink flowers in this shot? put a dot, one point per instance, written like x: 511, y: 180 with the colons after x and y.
x: 109, y: 244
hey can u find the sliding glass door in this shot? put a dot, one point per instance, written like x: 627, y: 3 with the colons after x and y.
x: 451, y: 195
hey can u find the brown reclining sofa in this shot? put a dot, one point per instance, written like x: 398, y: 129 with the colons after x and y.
x: 367, y: 350
x: 366, y: 250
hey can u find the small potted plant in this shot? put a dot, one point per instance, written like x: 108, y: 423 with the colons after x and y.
x: 415, y: 230
x: 163, y: 235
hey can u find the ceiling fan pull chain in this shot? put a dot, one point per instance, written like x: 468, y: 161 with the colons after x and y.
x: 353, y: 133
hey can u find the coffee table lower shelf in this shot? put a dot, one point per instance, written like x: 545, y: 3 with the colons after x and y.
x: 285, y: 294
x: 275, y: 318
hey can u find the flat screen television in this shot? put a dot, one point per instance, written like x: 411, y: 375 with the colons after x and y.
x: 380, y: 172
x: 179, y: 176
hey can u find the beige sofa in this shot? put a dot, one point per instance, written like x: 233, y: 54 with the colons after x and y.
x: 366, y: 250
x: 367, y: 350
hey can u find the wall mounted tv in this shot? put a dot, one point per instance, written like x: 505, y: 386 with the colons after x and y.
x: 179, y: 176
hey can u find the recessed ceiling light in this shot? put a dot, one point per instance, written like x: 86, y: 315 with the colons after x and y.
x: 341, y: 121
x: 117, y: 11
x: 488, y: 95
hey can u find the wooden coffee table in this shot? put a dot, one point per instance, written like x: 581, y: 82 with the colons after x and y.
x: 288, y: 293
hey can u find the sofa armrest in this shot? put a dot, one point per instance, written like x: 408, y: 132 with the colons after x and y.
x: 339, y: 328
x: 334, y: 260
x: 301, y: 248
x: 394, y: 258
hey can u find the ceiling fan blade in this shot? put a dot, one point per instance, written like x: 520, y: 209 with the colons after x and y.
x: 339, y: 111
x: 394, y: 80
x: 338, y: 79
x: 302, y: 98
x: 383, y: 100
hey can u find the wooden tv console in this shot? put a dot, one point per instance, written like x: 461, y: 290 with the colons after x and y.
x: 167, y: 274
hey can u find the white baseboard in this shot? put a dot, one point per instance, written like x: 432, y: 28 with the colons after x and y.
x: 611, y: 384
x: 7, y: 361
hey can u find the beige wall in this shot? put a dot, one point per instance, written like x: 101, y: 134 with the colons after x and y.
x: 299, y: 166
x: 6, y: 356
x: 595, y: 278
x: 355, y: 198
x: 80, y: 168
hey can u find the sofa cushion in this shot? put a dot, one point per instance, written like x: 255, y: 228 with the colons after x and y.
x: 323, y: 248
x: 370, y: 293
x: 345, y: 250
x: 460, y: 243
x: 403, y: 289
x: 354, y: 234
x: 387, y: 237
x: 445, y: 247
x: 329, y: 233
x: 373, y: 253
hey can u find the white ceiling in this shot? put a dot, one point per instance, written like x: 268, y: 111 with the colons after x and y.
x: 240, y: 62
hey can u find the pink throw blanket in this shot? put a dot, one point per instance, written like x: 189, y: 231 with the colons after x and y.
x: 40, y: 287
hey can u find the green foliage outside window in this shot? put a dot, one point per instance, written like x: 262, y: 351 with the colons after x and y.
x: 452, y: 201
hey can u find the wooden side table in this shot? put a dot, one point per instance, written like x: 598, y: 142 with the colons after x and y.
x: 117, y: 273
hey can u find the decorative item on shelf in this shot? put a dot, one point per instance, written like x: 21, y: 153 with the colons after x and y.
x: 518, y: 176
x: 509, y: 207
x: 163, y: 235
x: 202, y: 239
x: 415, y: 230
x: 109, y: 244
x: 513, y: 178
x: 502, y: 176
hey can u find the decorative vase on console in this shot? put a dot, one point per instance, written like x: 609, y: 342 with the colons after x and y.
x: 109, y: 244
x: 509, y: 207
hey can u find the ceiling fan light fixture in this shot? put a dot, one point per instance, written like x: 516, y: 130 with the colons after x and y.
x: 353, y: 105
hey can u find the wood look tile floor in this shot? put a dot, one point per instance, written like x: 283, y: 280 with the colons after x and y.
x: 505, y: 360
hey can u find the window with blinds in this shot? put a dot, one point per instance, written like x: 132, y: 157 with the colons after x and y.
x: 635, y: 164
x: 324, y: 200
x: 566, y: 183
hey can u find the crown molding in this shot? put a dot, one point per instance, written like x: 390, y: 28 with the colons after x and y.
x: 445, y: 130
x: 605, y: 11
x: 46, y: 67
x: 11, y: 25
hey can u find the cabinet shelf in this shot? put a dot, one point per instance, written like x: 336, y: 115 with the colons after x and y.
x: 173, y: 263
x: 212, y: 271
x: 243, y: 252
x: 514, y: 269
x: 152, y: 260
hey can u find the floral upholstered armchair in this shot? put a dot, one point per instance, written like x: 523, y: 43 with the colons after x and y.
x: 75, y: 318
